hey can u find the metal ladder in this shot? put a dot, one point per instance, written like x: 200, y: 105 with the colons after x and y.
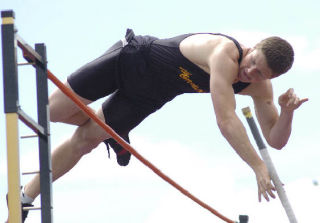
x: 37, y: 58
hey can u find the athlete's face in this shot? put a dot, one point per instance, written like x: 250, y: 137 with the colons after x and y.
x: 254, y: 67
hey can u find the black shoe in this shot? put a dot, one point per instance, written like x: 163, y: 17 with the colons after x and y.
x: 24, y: 212
x: 123, y: 156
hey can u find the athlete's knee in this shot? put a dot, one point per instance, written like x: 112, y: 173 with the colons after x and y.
x: 83, y: 145
x: 88, y: 137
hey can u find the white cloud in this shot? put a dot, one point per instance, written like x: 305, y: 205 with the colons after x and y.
x: 97, y: 187
x: 306, y: 53
x: 303, y: 196
x: 250, y: 38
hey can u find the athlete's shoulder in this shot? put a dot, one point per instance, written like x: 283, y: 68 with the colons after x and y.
x: 225, y: 48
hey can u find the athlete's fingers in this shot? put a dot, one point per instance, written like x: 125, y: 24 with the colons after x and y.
x: 259, y: 195
x: 303, y: 100
x: 265, y: 195
x: 292, y: 98
x: 270, y: 192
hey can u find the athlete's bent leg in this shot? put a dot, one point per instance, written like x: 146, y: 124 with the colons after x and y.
x: 66, y: 156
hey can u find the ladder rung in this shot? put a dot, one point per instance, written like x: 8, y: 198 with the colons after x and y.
x: 32, y: 172
x: 28, y: 136
x: 23, y: 64
x: 31, y: 208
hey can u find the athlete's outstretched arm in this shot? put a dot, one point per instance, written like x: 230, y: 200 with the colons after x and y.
x: 223, y: 70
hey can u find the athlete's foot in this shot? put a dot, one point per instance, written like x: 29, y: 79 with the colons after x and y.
x: 23, y: 212
x: 123, y: 156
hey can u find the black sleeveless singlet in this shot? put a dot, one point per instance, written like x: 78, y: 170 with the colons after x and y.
x: 165, y: 57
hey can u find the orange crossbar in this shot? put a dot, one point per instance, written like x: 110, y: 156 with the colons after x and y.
x: 129, y: 148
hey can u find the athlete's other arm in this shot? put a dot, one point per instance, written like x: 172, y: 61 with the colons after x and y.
x: 223, y: 66
x: 275, y: 128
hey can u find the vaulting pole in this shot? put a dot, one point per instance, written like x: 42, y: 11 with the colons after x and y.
x: 272, y: 170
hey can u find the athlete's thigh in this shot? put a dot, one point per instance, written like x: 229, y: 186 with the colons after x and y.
x: 63, y: 108
x: 92, y: 81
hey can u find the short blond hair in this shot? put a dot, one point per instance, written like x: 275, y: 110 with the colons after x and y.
x: 279, y: 54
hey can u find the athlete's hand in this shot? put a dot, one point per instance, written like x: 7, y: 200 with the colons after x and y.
x: 265, y: 187
x: 290, y: 101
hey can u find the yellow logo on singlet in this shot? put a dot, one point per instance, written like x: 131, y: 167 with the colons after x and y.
x: 185, y: 75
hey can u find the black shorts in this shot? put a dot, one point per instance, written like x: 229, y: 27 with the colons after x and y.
x: 122, y: 73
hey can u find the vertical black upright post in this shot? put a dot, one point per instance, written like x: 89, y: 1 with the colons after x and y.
x: 44, y: 140
x: 9, y: 55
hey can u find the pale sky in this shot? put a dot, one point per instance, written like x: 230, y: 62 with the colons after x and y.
x: 182, y: 139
